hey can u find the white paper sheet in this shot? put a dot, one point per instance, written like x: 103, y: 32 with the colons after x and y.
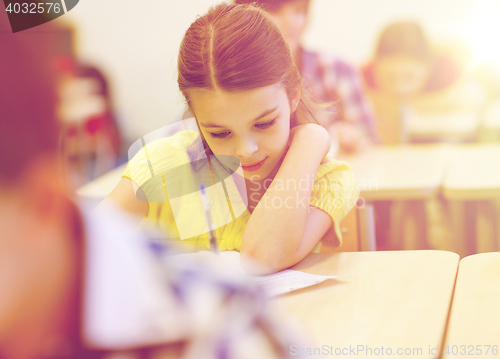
x: 278, y: 283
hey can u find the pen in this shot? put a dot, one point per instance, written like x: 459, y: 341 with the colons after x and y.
x: 208, y: 218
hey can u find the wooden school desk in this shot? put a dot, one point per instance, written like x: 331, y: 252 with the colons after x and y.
x: 475, y: 312
x: 408, y: 174
x: 490, y: 129
x: 472, y: 184
x: 96, y: 190
x: 394, y: 299
x: 399, y: 172
x: 456, y: 127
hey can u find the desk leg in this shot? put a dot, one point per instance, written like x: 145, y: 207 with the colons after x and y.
x: 480, y: 226
x: 470, y: 226
x: 475, y: 226
x: 487, y: 226
x: 409, y: 225
x: 496, y: 224
x: 418, y: 215
x: 464, y: 226
x: 382, y: 210
x: 457, y: 226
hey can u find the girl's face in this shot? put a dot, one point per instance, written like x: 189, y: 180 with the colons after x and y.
x: 253, y: 126
x: 401, y: 75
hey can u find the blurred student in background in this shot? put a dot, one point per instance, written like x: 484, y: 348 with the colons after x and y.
x: 404, y: 64
x: 328, y: 78
x: 81, y: 285
x: 408, y: 75
x: 407, y: 80
x: 91, y: 139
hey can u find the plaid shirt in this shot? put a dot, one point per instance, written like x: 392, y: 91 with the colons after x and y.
x: 330, y: 79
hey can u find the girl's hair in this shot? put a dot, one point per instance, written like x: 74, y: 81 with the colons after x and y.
x: 269, y: 5
x: 404, y: 38
x: 237, y: 48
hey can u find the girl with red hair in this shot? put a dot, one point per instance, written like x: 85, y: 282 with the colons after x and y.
x: 239, y: 79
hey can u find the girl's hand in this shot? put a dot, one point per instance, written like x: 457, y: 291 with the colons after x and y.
x: 312, y: 137
x: 295, y: 228
x: 352, y: 139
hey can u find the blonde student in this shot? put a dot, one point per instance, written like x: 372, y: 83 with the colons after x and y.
x: 239, y: 80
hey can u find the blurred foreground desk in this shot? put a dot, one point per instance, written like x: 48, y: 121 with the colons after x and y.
x: 475, y: 313
x: 473, y: 185
x: 394, y: 299
x: 408, y: 174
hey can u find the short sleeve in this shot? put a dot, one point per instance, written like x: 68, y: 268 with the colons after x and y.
x: 334, y: 191
x: 148, y: 166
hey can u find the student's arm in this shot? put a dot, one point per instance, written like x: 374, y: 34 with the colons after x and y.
x: 283, y: 228
x: 138, y: 172
x: 124, y: 196
x: 352, y: 138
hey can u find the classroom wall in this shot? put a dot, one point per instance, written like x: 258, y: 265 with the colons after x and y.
x: 351, y: 27
x: 136, y: 42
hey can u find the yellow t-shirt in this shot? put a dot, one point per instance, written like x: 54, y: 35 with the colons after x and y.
x: 174, y: 203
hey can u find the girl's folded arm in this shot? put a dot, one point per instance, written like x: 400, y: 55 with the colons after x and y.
x: 283, y: 228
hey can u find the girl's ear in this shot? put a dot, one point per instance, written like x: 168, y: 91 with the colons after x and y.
x: 296, y: 100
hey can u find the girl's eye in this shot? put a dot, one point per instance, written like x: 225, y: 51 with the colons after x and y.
x: 220, y: 134
x: 266, y: 124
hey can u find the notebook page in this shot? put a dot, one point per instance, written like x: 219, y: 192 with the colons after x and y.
x: 278, y: 283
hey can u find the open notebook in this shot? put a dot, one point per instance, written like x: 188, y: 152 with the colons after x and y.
x: 278, y: 283
x: 274, y: 284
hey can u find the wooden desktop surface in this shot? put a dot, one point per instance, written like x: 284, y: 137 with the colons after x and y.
x: 395, y: 299
x: 99, y: 188
x: 492, y: 117
x: 400, y: 172
x: 474, y: 173
x: 392, y: 172
x: 475, y: 314
x: 461, y: 125
x: 490, y: 129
